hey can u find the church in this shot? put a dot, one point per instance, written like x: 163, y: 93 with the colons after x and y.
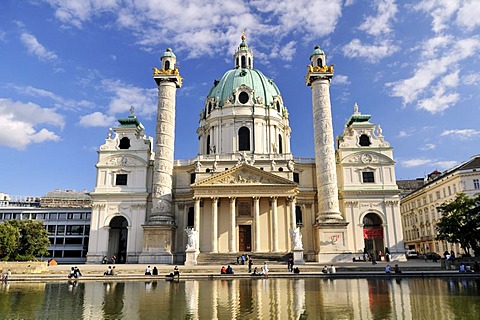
x: 245, y: 192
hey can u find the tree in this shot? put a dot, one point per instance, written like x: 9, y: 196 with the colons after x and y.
x: 31, y: 240
x: 460, y: 222
x: 9, y: 241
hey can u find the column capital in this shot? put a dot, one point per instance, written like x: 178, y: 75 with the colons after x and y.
x: 214, y: 199
x: 232, y: 199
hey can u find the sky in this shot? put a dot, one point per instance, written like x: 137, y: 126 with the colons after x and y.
x: 70, y: 68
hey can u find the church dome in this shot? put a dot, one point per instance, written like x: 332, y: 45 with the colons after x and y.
x: 262, y: 86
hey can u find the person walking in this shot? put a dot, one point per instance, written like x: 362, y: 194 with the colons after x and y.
x: 250, y: 264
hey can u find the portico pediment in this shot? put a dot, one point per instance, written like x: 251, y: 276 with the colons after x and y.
x: 245, y: 175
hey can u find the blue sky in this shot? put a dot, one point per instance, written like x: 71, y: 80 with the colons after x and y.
x: 69, y: 69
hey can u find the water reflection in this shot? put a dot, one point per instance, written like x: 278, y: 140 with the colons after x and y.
x: 312, y: 298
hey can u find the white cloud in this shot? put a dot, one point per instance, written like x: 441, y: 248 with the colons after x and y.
x: 445, y: 164
x: 59, y: 102
x: 434, y: 80
x: 19, y: 122
x: 126, y: 96
x: 213, y: 26
x: 428, y: 146
x: 403, y: 134
x: 380, y: 24
x: 370, y: 53
x: 462, y: 134
x: 472, y: 79
x: 2, y: 35
x: 441, y: 12
x: 468, y: 14
x: 97, y: 119
x: 341, y: 79
x: 36, y: 48
x: 415, y: 162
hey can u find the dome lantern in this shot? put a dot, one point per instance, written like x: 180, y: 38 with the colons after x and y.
x: 243, y: 57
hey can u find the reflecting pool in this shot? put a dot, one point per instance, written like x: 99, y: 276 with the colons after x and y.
x: 310, y: 298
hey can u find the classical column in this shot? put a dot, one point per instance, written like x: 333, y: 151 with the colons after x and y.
x: 256, y: 221
x: 214, y: 224
x: 319, y: 77
x: 274, y: 225
x: 293, y: 216
x: 233, y: 225
x: 159, y: 230
x: 196, y: 221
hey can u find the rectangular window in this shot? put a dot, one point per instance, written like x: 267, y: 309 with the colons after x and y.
x: 121, y: 179
x: 296, y: 177
x: 62, y: 216
x: 449, y: 191
x: 191, y: 218
x: 72, y: 254
x: 192, y: 178
x: 437, y: 194
x: 298, y: 216
x: 51, y: 229
x: 87, y: 230
x: 368, y: 177
x: 7, y: 216
x: 75, y: 230
x: 87, y: 216
x: 73, y: 240
x: 52, y: 216
x: 430, y: 197
x: 70, y: 216
x: 476, y: 184
x: 61, y: 230
x: 59, y: 241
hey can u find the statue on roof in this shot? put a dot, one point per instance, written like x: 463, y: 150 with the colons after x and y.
x: 132, y: 111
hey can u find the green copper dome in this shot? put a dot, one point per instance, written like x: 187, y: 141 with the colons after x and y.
x: 316, y: 51
x: 168, y: 53
x: 254, y: 79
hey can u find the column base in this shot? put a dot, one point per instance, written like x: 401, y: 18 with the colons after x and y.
x: 333, y: 244
x: 191, y: 257
x: 157, y: 244
x: 298, y: 257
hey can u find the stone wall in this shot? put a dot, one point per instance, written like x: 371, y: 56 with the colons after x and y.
x: 27, y: 267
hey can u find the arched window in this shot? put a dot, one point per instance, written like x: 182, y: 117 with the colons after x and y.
x: 209, y: 107
x: 238, y: 62
x: 124, y: 143
x: 244, y: 139
x: 319, y: 62
x: 249, y: 62
x: 244, y: 62
x: 298, y: 216
x: 278, y: 106
x: 280, y: 144
x: 208, y: 144
x: 364, y: 140
x: 167, y: 65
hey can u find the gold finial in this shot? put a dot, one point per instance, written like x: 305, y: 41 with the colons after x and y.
x: 243, y: 35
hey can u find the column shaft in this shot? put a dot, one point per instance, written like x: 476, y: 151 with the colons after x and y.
x: 233, y: 224
x: 197, y: 221
x: 214, y: 225
x: 256, y: 222
x: 327, y: 187
x: 274, y: 225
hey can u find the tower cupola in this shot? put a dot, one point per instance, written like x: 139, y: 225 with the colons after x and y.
x: 243, y: 57
x: 168, y: 60
x: 318, y: 57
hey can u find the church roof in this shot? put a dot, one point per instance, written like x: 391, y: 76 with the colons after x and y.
x: 263, y: 86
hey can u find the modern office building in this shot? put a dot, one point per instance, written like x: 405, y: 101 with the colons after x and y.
x: 66, y: 216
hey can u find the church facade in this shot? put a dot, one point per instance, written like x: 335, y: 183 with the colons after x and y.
x: 245, y: 192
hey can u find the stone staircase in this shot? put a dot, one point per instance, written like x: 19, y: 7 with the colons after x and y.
x: 231, y: 258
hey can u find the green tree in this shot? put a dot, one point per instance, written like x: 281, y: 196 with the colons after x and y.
x: 460, y: 222
x: 32, y: 239
x: 9, y: 241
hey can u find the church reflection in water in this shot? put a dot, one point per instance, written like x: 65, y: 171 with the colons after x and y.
x: 259, y: 298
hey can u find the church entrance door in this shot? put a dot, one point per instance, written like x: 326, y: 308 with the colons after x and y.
x: 117, y: 239
x: 373, y: 235
x: 245, y: 238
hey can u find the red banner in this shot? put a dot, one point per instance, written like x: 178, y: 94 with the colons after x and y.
x: 373, y: 233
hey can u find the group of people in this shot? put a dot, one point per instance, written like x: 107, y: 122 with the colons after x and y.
x: 74, y: 273
x: 6, y: 276
x: 227, y: 270
x: 332, y: 269
x: 113, y: 259
x: 151, y: 272
x: 396, y: 269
